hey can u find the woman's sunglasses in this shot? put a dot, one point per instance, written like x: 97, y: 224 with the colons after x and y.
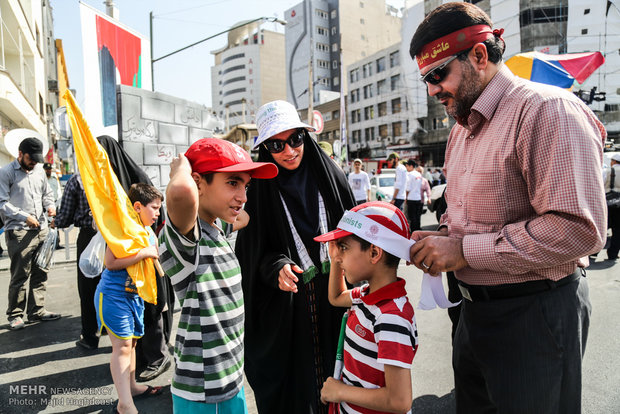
x: 437, y: 75
x: 296, y: 139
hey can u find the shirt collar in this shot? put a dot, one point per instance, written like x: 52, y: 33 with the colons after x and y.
x: 489, y: 99
x: 392, y: 291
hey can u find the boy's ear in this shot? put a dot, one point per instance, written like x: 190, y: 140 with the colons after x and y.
x: 196, y: 177
x: 137, y: 206
x: 376, y: 253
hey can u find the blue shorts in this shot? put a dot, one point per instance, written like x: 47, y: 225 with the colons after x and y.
x: 236, y: 405
x: 122, y: 314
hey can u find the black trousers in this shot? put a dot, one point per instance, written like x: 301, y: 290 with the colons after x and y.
x: 522, y: 355
x: 614, y: 225
x: 152, y: 348
x: 414, y: 213
x: 86, y: 290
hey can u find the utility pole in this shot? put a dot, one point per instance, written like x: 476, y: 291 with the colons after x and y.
x: 310, y: 83
x: 151, y: 44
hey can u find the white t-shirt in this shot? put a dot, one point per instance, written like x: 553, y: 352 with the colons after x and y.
x: 401, y: 181
x: 414, y: 186
x: 359, y: 183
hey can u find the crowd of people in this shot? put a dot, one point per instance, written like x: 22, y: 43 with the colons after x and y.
x: 516, y: 234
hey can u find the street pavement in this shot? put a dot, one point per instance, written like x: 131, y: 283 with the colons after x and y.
x: 42, y: 371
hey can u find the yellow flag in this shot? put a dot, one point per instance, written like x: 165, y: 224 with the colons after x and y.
x: 112, y: 210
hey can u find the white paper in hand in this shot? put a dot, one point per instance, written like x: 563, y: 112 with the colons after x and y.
x: 433, y: 294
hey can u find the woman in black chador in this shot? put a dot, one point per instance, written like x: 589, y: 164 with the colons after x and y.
x: 291, y: 330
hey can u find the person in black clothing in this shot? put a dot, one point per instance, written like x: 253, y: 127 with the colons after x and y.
x: 291, y: 330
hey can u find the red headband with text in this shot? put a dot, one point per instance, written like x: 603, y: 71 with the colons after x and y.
x: 454, y: 43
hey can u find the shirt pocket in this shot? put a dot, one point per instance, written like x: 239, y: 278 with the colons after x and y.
x: 486, y: 200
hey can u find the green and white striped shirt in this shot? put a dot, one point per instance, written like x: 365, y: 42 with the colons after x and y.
x: 209, y: 344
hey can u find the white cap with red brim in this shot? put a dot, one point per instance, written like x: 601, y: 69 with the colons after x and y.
x: 377, y: 222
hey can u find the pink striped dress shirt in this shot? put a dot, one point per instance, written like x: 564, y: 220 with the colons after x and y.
x: 525, y: 190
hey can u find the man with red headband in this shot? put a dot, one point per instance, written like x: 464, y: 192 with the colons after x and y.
x: 520, y: 218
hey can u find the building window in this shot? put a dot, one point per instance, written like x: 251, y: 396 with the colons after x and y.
x: 363, y: 37
x: 354, y: 75
x: 369, y: 134
x: 334, y: 30
x: 237, y: 79
x: 233, y: 68
x: 382, y: 108
x: 334, y: 47
x: 394, y: 59
x: 322, y: 31
x: 397, y: 129
x: 380, y: 64
x: 322, y: 47
x: 586, y: 11
x: 356, y: 116
x: 584, y: 31
x: 334, y: 14
x: 238, y: 90
x: 367, y: 70
x: 229, y: 58
x: 543, y: 15
x: 356, y: 136
x: 335, y: 114
x: 354, y: 95
x: 321, y: 13
x: 322, y: 63
x: 369, y: 113
x: 361, y: 4
x: 324, y: 81
x: 381, y: 88
x: 383, y: 131
x: 395, y: 82
x: 396, y: 108
x: 368, y: 91
x: 336, y: 81
x: 362, y: 21
x: 334, y: 64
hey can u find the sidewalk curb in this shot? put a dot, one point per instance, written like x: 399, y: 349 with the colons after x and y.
x: 60, y: 262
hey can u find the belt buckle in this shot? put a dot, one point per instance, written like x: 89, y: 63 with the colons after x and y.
x: 465, y: 292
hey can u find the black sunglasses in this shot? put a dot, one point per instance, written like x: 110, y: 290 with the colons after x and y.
x: 437, y: 75
x: 296, y: 139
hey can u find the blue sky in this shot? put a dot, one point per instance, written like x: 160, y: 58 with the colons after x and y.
x: 176, y: 24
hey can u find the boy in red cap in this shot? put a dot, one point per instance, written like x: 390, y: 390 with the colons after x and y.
x: 207, y: 183
x: 381, y: 334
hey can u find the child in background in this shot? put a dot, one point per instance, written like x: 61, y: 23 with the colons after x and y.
x: 121, y: 310
x: 381, y: 334
x: 208, y: 183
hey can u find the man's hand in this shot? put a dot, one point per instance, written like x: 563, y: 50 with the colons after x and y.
x: 434, y: 254
x: 32, y: 222
x: 287, y: 279
x: 51, y: 211
x: 53, y: 224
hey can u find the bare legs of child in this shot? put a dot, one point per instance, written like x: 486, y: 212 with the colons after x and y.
x: 123, y: 369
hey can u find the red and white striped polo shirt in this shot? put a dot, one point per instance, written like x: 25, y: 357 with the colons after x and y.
x: 381, y: 331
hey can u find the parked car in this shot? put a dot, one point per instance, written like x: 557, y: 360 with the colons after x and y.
x: 438, y: 202
x: 382, y: 186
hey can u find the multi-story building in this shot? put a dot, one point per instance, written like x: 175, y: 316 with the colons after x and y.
x: 248, y: 72
x: 318, y: 30
x: 378, y: 109
x: 27, y: 50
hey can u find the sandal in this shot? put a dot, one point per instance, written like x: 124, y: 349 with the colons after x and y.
x: 149, y: 392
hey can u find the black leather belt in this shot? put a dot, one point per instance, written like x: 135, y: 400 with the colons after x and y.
x: 476, y: 293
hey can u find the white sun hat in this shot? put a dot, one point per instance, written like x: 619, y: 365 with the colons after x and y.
x: 275, y: 117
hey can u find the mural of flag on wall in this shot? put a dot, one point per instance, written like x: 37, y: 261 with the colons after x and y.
x: 113, y: 54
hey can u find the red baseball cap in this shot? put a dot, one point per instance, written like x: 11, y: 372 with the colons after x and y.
x: 217, y: 155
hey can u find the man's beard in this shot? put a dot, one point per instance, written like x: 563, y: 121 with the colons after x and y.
x: 466, y: 94
x: 26, y: 167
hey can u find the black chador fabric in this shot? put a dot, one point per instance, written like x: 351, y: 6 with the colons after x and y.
x: 290, y: 338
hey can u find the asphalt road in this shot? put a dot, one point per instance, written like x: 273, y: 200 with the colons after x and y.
x: 42, y: 371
